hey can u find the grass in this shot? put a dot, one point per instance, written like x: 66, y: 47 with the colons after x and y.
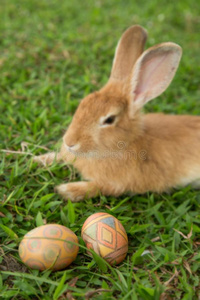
x: 53, y: 53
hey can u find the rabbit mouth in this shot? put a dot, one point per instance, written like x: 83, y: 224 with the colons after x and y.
x: 73, y: 149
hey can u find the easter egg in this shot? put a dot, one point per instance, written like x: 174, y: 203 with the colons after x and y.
x: 106, y: 236
x: 49, y: 246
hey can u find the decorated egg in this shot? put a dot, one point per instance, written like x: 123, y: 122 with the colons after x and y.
x: 106, y: 236
x: 49, y: 246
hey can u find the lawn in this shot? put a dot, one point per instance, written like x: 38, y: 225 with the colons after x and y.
x: 52, y: 54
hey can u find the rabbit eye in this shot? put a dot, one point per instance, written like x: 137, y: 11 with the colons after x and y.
x: 109, y: 120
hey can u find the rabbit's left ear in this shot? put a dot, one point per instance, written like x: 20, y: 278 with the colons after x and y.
x: 153, y: 72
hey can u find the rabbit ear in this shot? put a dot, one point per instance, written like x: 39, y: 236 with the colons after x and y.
x: 153, y: 72
x: 129, y: 48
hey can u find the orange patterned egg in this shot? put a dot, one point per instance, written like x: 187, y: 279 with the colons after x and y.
x: 49, y: 246
x: 106, y: 236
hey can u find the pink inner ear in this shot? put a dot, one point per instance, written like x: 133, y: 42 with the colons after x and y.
x: 151, y: 73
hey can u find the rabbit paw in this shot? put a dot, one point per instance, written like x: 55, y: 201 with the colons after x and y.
x: 46, y: 159
x: 77, y: 191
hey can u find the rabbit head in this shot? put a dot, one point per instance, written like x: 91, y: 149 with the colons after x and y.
x: 111, y: 115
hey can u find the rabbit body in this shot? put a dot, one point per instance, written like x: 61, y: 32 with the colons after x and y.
x: 159, y: 159
x: 117, y: 148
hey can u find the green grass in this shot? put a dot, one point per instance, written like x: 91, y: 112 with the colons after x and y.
x: 53, y: 53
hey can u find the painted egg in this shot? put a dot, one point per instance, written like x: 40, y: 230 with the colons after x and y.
x: 106, y: 236
x: 49, y: 246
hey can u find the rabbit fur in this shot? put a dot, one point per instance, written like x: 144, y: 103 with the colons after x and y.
x: 116, y: 147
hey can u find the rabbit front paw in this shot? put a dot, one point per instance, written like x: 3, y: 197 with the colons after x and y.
x: 77, y: 191
x: 47, y: 159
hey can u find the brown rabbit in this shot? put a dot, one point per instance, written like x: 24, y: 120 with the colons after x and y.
x: 114, y: 146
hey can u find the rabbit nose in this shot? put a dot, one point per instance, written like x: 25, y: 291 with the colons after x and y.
x: 71, y: 146
x: 70, y: 143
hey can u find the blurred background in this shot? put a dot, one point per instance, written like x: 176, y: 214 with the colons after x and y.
x: 53, y: 53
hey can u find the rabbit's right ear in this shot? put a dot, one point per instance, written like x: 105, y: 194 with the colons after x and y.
x: 129, y: 48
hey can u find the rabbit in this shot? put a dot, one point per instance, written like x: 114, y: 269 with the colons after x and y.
x: 118, y: 149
